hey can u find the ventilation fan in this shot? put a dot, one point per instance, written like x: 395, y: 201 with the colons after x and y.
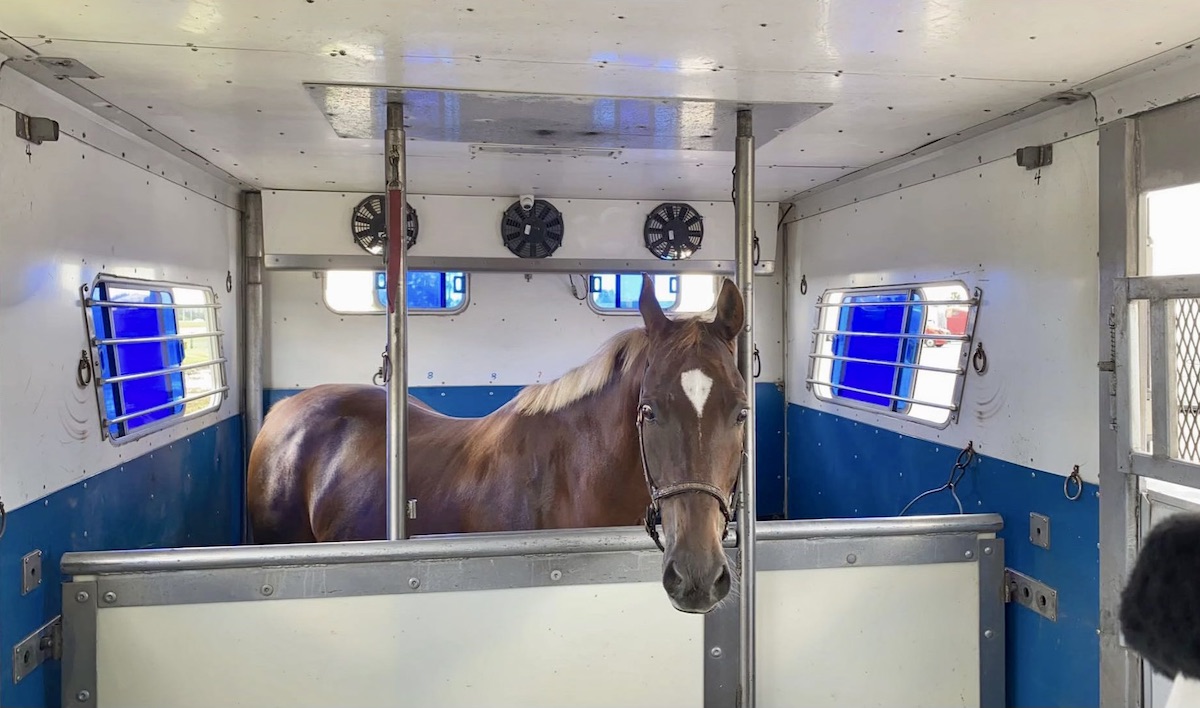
x: 369, y: 226
x: 673, y: 231
x: 535, y: 232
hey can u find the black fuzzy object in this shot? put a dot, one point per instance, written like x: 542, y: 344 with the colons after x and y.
x: 1160, y: 605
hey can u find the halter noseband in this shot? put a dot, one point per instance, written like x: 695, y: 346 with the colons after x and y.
x: 654, y: 511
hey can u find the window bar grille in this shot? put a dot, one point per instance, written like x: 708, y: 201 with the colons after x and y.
x: 898, y: 303
x: 891, y: 335
x: 159, y: 338
x: 160, y: 372
x: 918, y: 367
x: 890, y: 397
x: 154, y: 305
x: 220, y: 390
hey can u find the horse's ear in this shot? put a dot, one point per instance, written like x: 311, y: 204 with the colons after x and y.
x: 731, y: 312
x: 652, y: 315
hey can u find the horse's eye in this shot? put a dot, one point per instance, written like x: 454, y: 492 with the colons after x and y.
x: 647, y: 412
x: 742, y: 415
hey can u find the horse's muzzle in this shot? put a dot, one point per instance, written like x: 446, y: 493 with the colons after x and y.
x: 696, y: 584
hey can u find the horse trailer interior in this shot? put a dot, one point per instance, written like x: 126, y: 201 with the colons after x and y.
x: 591, y: 433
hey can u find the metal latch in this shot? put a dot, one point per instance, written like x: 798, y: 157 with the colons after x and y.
x: 1034, y: 156
x: 1030, y: 593
x: 45, y: 644
x: 35, y: 129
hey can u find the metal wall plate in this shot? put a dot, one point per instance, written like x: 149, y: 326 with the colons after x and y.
x: 43, y: 645
x: 31, y: 572
x: 1039, y: 530
x: 1031, y: 593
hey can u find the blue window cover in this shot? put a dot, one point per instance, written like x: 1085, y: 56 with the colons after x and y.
x: 141, y: 394
x: 427, y: 289
x: 621, y: 291
x: 880, y: 375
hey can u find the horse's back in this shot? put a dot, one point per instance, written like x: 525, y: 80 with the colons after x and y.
x: 307, y: 442
x: 317, y: 470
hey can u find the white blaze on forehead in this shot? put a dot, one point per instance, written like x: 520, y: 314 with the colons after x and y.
x: 696, y: 385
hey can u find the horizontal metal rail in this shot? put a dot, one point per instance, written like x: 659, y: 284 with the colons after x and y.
x: 491, y: 545
x: 903, y: 303
x: 888, y: 396
x: 163, y: 406
x: 918, y: 367
x: 160, y: 338
x: 1164, y: 287
x: 154, y: 305
x: 159, y: 372
x: 947, y: 337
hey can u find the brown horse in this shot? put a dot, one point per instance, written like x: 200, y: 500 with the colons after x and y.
x: 657, y: 414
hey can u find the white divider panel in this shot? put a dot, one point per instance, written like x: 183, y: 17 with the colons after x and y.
x: 851, y: 612
x: 603, y: 645
x: 885, y: 636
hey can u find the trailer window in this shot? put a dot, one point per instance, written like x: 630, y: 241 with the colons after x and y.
x: 156, y: 354
x: 901, y: 351
x: 359, y: 292
x: 617, y: 293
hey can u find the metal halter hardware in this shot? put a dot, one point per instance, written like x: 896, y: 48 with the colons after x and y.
x: 654, y: 511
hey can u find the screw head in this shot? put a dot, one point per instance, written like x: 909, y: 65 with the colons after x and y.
x: 716, y: 652
x: 556, y: 574
x: 267, y: 590
x: 83, y: 696
x: 851, y: 559
x: 987, y: 633
x: 110, y: 597
x: 987, y: 550
x: 414, y: 583
x: 82, y: 596
x: 969, y: 554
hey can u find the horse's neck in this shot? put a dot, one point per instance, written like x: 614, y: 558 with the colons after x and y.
x: 607, y: 464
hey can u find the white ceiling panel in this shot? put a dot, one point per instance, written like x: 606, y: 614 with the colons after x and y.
x: 226, y: 78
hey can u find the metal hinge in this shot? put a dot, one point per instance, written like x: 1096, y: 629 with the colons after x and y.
x: 43, y: 645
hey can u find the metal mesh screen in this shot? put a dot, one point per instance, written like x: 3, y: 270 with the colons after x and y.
x: 1187, y: 382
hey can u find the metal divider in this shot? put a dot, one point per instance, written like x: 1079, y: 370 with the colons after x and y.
x: 1174, y: 344
x: 245, y: 577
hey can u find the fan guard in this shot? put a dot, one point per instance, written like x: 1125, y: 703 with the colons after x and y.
x: 673, y: 231
x: 368, y: 225
x: 533, y: 233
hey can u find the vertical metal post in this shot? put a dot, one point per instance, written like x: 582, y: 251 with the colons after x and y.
x: 1120, y: 669
x: 252, y: 332
x: 397, y: 361
x: 252, y: 245
x: 743, y: 190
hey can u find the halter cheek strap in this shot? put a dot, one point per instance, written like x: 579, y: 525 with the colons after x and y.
x: 654, y: 511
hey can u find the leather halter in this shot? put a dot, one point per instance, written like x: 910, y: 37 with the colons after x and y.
x: 654, y: 511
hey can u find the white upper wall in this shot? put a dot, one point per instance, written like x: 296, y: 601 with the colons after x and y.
x: 1029, y: 240
x: 96, y: 200
x: 318, y: 223
x: 516, y: 330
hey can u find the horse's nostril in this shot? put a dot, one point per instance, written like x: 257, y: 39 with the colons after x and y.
x: 724, y: 580
x: 672, y: 579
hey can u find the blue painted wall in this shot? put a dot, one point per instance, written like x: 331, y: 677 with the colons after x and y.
x: 842, y: 468
x: 473, y: 401
x: 188, y: 493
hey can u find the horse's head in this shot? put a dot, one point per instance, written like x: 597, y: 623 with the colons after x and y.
x: 691, y: 416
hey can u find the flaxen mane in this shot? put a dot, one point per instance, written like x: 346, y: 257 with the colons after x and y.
x: 621, y: 352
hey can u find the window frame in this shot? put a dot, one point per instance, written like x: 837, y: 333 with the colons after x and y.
x: 822, y: 364
x: 673, y: 309
x: 91, y: 371
x: 323, y: 276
